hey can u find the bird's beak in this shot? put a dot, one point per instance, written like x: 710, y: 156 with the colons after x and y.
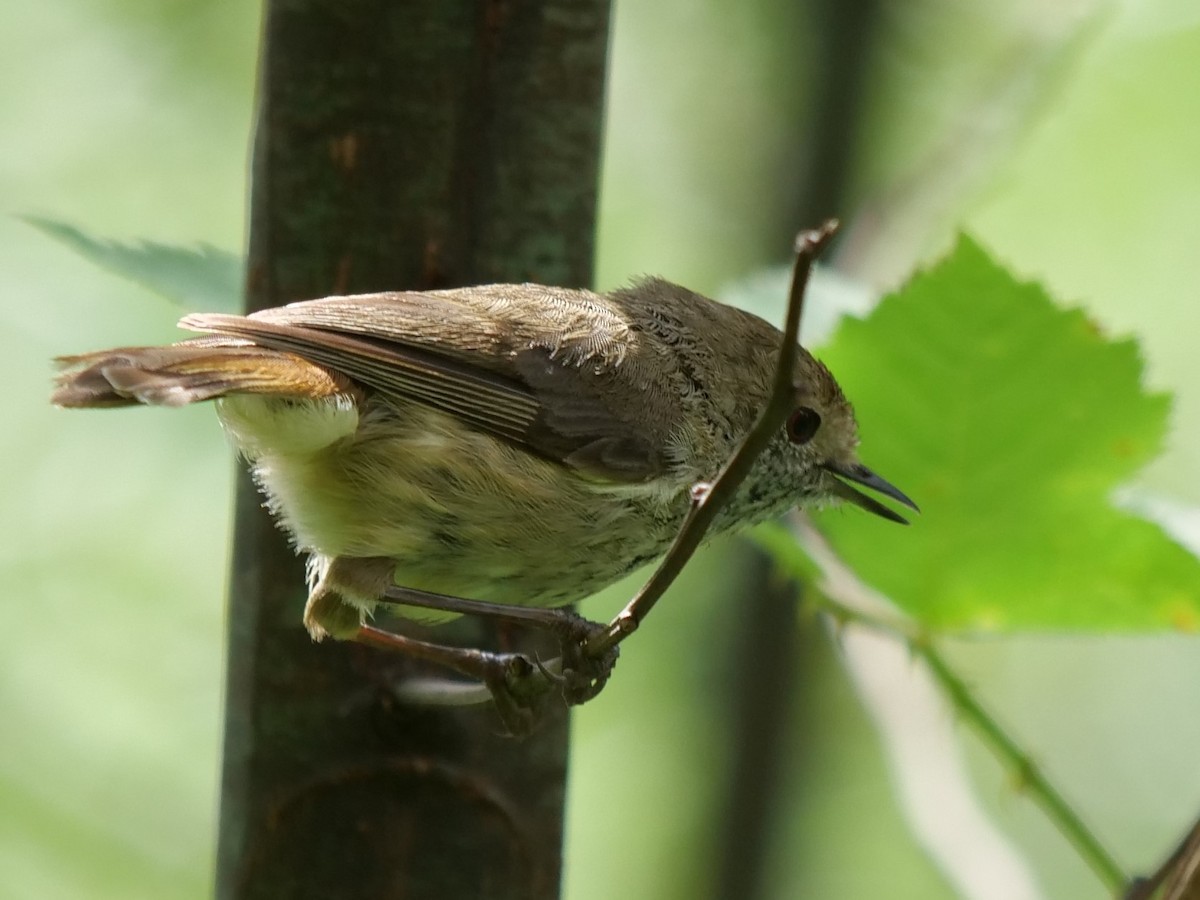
x: 860, y: 474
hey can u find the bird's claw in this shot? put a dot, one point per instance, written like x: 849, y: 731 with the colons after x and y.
x: 520, y: 685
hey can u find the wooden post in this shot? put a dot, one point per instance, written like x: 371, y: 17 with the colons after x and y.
x: 398, y: 146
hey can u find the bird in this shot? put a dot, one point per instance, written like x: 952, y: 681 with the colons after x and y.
x: 519, y: 444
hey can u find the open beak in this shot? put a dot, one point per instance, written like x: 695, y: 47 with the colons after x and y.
x: 860, y: 474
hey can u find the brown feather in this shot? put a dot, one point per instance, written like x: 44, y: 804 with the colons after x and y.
x: 524, y: 363
x: 473, y: 395
x: 188, y: 372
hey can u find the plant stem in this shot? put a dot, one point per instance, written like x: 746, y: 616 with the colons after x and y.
x: 845, y: 599
x: 1031, y: 777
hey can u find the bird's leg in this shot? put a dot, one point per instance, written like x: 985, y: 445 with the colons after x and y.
x: 582, y: 676
x: 511, y: 678
x: 517, y: 683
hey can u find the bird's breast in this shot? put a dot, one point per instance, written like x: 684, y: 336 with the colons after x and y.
x: 461, y: 512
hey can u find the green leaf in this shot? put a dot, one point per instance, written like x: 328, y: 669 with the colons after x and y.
x: 201, y: 277
x: 1011, y: 421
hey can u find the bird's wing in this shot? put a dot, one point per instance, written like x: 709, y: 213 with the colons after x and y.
x: 532, y: 375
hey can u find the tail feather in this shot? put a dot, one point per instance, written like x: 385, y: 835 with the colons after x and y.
x: 188, y: 372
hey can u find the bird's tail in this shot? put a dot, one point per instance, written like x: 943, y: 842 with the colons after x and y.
x: 188, y: 372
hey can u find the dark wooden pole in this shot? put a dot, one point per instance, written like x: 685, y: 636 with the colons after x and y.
x: 771, y: 659
x: 398, y: 145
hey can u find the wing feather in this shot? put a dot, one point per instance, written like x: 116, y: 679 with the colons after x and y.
x: 530, y: 376
x: 479, y: 397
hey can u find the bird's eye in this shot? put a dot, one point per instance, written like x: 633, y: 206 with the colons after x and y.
x: 802, y: 424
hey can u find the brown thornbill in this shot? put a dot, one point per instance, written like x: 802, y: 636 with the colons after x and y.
x: 516, y: 444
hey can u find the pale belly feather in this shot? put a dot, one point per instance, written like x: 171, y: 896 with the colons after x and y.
x: 462, y: 513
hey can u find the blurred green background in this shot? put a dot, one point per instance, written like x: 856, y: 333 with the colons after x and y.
x: 1066, y: 141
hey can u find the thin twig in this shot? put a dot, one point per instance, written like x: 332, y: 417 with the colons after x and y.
x: 708, y: 499
x: 1188, y: 849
